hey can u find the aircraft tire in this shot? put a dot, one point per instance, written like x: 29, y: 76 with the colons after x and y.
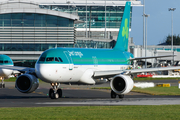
x: 59, y: 91
x: 51, y: 93
x: 56, y: 95
x: 113, y: 94
x: 121, y: 96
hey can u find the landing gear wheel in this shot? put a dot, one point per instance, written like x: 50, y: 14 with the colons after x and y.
x: 51, y: 93
x: 59, y: 91
x: 2, y: 85
x: 113, y: 94
x: 121, y: 96
x: 56, y: 95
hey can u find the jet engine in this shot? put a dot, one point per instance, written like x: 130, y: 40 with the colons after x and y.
x: 122, y: 84
x: 27, y: 83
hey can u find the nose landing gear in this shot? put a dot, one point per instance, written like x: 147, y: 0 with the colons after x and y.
x: 55, y: 93
x: 2, y: 84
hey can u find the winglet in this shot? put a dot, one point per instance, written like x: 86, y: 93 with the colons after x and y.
x: 123, y: 35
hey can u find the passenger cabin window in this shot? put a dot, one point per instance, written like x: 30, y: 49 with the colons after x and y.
x: 50, y: 59
x: 42, y: 59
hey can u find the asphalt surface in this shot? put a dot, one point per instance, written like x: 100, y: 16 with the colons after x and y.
x: 74, y: 95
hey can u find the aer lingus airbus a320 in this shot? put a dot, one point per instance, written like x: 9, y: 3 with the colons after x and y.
x: 78, y: 65
x: 5, y: 73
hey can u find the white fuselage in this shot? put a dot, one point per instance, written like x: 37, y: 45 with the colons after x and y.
x: 69, y: 73
x: 5, y: 72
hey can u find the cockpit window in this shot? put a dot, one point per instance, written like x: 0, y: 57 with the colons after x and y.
x: 50, y: 59
x: 1, y: 61
x: 60, y: 59
x: 42, y: 59
x: 56, y: 59
x: 6, y: 61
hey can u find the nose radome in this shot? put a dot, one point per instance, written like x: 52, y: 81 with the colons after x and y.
x: 43, y: 72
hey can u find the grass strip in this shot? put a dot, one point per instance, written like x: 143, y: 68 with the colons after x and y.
x: 161, y: 112
x: 173, y: 90
x: 149, y: 78
x: 11, y: 79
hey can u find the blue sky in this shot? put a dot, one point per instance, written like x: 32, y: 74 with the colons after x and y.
x: 159, y: 22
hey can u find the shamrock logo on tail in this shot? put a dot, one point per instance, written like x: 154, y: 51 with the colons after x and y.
x: 125, y: 30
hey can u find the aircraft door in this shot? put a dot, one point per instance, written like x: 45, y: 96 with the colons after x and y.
x: 71, y: 65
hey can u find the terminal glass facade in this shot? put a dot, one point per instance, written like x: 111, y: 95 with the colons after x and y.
x: 34, y: 32
x: 33, y: 20
x: 95, y: 15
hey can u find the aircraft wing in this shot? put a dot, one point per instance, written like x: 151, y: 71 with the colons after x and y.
x: 17, y: 68
x: 139, y: 58
x: 111, y: 73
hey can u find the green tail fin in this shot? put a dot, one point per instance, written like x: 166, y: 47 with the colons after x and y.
x: 123, y: 35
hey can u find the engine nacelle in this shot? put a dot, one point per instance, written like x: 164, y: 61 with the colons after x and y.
x: 122, y: 84
x: 27, y: 83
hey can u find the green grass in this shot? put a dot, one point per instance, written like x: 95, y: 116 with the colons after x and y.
x: 173, y: 90
x: 11, y: 79
x: 161, y: 112
x: 144, y: 79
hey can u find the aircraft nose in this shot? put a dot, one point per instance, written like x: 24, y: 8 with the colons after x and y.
x: 41, y: 72
x: 44, y: 72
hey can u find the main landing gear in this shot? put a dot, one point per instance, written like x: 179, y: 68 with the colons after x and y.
x: 113, y: 95
x: 55, y: 93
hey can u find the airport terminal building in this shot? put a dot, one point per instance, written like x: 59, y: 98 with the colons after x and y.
x: 28, y: 28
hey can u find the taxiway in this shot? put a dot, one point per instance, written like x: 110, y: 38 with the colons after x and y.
x: 77, y: 96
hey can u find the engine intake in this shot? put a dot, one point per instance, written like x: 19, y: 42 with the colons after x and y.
x: 27, y: 83
x: 121, y: 84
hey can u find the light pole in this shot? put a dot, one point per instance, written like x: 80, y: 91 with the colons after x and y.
x: 172, y: 9
x: 86, y: 18
x: 146, y: 16
x: 144, y: 25
x: 68, y: 2
x: 105, y: 21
